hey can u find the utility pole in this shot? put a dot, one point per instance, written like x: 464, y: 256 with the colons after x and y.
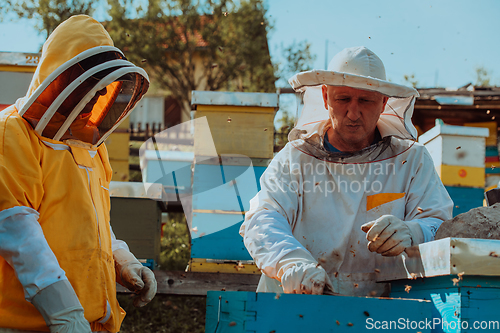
x: 326, y: 54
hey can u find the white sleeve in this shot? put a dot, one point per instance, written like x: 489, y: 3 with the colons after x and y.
x: 24, y: 247
x: 267, y: 229
x: 268, y: 238
x: 116, y: 243
x: 428, y: 204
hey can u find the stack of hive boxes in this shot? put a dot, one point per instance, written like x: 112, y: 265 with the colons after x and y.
x: 491, y: 160
x: 233, y: 146
x: 459, y: 153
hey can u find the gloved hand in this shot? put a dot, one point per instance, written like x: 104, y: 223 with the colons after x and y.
x: 131, y: 274
x: 61, y: 309
x: 301, y: 274
x: 388, y: 235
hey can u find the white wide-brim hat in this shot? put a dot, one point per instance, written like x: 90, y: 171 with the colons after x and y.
x: 357, y: 67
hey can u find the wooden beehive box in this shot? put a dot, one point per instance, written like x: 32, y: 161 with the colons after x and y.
x: 171, y: 169
x: 118, y: 151
x: 461, y: 276
x: 240, y: 123
x: 458, y: 153
x: 492, y: 139
x: 222, y: 189
x: 16, y: 72
x: 249, y: 312
x: 136, y: 218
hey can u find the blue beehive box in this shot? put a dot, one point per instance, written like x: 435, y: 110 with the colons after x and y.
x: 249, y: 312
x: 222, y: 190
x: 461, y: 277
x: 465, y: 198
x: 233, y: 144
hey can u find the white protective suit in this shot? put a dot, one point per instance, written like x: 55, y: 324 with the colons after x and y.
x: 313, y: 202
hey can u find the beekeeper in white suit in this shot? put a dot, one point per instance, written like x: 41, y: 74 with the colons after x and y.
x: 352, y: 163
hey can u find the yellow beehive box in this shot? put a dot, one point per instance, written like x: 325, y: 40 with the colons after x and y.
x: 118, y: 151
x: 16, y: 72
x: 491, y: 140
x: 120, y: 170
x: 240, y: 123
x: 118, y: 146
x: 222, y: 266
x: 455, y: 175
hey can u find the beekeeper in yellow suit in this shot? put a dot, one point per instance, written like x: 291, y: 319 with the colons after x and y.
x: 59, y: 259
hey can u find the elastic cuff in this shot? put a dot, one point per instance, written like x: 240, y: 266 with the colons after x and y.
x: 55, y: 298
x: 417, y: 235
x: 18, y: 210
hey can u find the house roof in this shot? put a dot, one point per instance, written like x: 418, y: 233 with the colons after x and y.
x: 468, y: 96
x: 467, y: 90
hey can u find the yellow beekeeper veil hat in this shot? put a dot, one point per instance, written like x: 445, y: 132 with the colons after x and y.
x: 83, y: 87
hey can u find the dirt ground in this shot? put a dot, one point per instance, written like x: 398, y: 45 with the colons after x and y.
x: 481, y: 222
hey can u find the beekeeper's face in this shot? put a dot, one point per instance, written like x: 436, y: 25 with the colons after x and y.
x: 61, y: 82
x: 354, y: 114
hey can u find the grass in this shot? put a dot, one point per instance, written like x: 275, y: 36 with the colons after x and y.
x: 168, y: 313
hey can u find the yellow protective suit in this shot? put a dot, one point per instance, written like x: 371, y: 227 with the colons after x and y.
x: 66, y: 182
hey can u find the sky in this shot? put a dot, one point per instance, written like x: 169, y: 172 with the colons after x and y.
x: 440, y: 42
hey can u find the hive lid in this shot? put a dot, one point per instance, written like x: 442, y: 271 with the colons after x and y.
x: 233, y: 98
x: 164, y: 155
x: 442, y: 129
x: 135, y: 190
x: 447, y: 256
x: 19, y: 59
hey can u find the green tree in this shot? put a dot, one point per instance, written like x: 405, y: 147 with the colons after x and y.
x: 172, y: 38
x: 283, y: 126
x: 483, y: 77
x: 298, y: 59
x: 47, y: 13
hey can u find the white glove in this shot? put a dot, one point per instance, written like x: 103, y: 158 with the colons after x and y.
x: 301, y: 274
x: 61, y: 309
x: 131, y: 274
x: 388, y: 235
